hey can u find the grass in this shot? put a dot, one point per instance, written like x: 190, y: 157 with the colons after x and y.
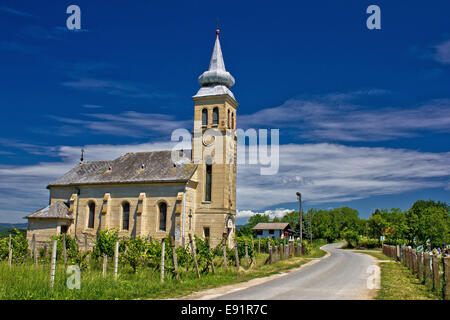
x: 376, y: 253
x: 27, y: 281
x: 397, y: 281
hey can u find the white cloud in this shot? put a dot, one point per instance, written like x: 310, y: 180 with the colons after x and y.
x: 129, y: 124
x: 442, y: 52
x: 334, y: 118
x: 115, y: 87
x: 271, y: 213
x: 15, y: 12
x: 326, y: 173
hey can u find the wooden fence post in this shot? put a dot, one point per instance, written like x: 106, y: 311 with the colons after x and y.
x: 53, y: 265
x: 276, y: 253
x: 175, y: 262
x: 116, y: 260
x: 105, y: 264
x: 86, y: 242
x: 270, y: 253
x: 413, y: 261
x: 64, y: 249
x: 33, y: 245
x: 435, y: 264
x: 426, y: 267
x: 446, y: 264
x: 225, y: 263
x: 420, y: 265
x: 408, y: 258
x: 236, y: 254
x: 9, y: 251
x: 211, y: 257
x: 45, y: 250
x: 259, y: 245
x: 246, y: 253
x: 397, y: 253
x: 194, y: 256
x: 35, y: 255
x: 163, y: 253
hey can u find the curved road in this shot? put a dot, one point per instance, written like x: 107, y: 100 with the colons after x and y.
x: 341, y: 275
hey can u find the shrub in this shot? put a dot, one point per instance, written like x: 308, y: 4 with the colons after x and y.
x: 105, y: 244
x: 19, y: 246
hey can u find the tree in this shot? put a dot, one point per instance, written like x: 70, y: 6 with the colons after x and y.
x: 247, y: 230
x: 377, y: 225
x: 292, y: 218
x: 423, y: 218
x: 257, y: 218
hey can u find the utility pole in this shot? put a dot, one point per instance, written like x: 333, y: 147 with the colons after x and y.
x: 310, y: 226
x: 299, y: 195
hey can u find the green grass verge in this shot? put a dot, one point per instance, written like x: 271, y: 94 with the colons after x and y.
x: 397, y: 281
x: 376, y: 253
x: 30, y: 282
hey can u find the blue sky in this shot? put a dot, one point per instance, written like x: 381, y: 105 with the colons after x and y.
x: 363, y: 114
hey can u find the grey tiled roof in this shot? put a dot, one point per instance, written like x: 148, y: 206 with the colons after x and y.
x: 140, y: 167
x: 270, y: 226
x: 55, y: 210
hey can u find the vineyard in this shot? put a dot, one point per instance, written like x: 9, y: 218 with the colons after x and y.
x: 131, y: 268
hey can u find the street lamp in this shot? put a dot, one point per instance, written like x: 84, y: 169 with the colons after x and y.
x: 299, y: 196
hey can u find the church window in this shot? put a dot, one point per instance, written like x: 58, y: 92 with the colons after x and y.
x: 208, y: 182
x: 205, y: 117
x: 162, y: 216
x: 206, y: 233
x: 229, y: 124
x: 125, y: 216
x: 216, y: 115
x: 232, y: 120
x: 91, y: 215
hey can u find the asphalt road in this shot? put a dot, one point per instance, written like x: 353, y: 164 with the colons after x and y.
x: 342, y: 275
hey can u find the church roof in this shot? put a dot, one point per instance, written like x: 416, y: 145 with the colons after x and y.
x: 217, y: 80
x: 140, y: 167
x: 57, y: 210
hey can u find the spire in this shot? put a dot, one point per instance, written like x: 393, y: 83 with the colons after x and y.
x: 217, y: 80
x: 216, y: 62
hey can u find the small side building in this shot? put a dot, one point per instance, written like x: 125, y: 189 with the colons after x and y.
x: 273, y: 230
x: 49, y: 221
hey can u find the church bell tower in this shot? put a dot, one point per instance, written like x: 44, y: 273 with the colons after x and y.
x: 214, y: 149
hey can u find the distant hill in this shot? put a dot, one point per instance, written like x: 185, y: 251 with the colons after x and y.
x: 7, y: 226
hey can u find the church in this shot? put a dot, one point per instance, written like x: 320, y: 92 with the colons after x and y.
x: 148, y: 194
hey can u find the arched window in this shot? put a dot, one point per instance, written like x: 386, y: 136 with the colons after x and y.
x: 232, y: 120
x: 91, y: 215
x: 125, y: 216
x: 216, y: 115
x: 162, y: 216
x: 208, y: 182
x: 205, y: 117
x: 228, y: 123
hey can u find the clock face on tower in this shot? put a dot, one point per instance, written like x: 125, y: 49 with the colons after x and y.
x: 208, y: 139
